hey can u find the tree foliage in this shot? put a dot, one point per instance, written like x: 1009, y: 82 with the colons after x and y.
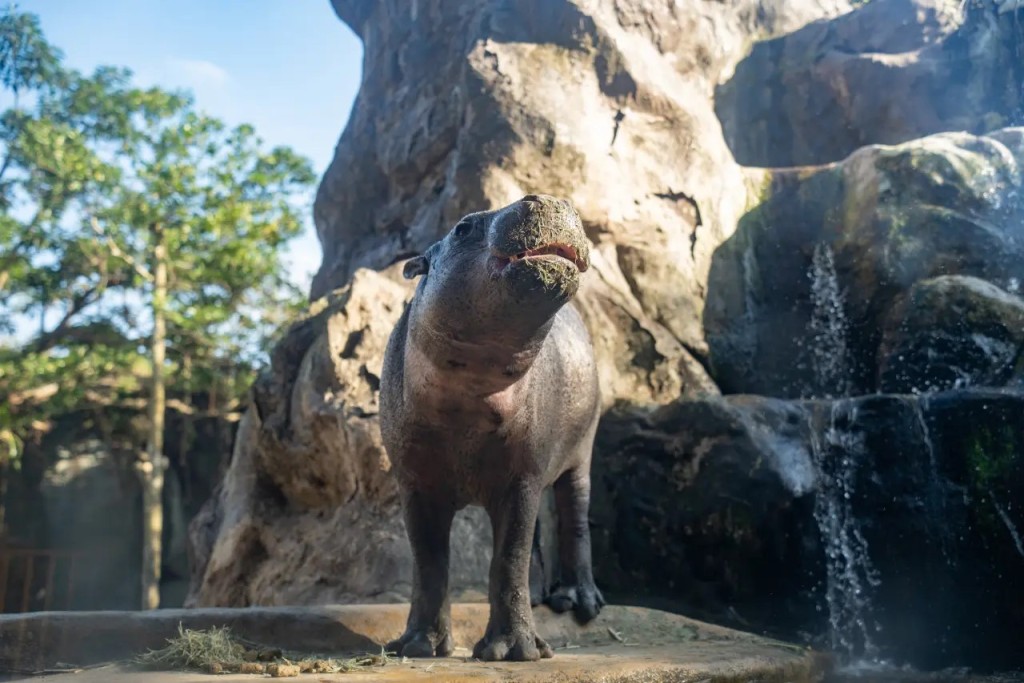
x: 92, y: 169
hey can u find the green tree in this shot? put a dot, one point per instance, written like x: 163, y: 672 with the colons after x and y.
x: 145, y: 237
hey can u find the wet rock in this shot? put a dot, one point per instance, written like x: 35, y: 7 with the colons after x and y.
x: 952, y: 331
x: 884, y: 526
x: 704, y: 501
x: 931, y: 483
x: 885, y: 219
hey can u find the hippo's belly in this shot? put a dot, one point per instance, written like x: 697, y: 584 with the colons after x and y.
x: 471, y: 466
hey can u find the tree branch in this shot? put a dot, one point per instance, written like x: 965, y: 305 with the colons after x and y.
x: 229, y: 412
x: 8, y: 260
x: 33, y: 395
x: 119, y: 253
x: 14, y: 132
x: 80, y: 302
x: 15, y: 252
x: 90, y: 334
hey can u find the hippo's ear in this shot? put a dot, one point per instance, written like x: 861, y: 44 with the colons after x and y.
x: 415, y: 266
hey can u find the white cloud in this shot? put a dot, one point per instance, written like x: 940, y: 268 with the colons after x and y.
x: 198, y: 73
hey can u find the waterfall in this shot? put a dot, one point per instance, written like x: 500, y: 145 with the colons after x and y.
x: 747, y: 342
x: 936, y: 495
x: 827, y: 330
x: 1010, y: 526
x: 837, y: 449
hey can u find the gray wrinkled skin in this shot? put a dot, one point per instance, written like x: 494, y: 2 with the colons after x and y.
x: 489, y: 394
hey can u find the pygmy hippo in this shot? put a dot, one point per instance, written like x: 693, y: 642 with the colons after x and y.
x: 489, y: 394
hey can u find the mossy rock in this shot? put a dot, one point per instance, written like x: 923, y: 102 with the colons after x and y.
x: 952, y: 331
x: 893, y: 216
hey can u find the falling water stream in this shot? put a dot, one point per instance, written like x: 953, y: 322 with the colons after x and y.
x: 850, y: 576
x: 837, y: 449
x: 837, y: 443
x: 1010, y: 526
x: 830, y: 363
x: 936, y: 493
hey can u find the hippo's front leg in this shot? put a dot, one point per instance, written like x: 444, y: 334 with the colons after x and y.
x: 510, y: 630
x: 428, y: 521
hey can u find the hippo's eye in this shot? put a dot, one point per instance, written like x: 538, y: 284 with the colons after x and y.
x: 463, y: 229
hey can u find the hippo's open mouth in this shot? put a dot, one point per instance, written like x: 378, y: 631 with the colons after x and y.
x: 553, y: 250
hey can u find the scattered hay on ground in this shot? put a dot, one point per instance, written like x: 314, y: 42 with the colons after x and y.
x: 191, y: 649
x: 217, y: 651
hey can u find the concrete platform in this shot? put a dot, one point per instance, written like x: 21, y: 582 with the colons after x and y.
x: 623, y: 644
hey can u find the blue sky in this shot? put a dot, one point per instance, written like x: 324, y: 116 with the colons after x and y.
x: 289, y: 67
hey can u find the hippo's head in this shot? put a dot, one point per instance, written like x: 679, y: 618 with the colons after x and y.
x: 498, y: 278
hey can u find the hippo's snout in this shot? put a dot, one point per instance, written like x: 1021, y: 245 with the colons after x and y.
x: 539, y: 228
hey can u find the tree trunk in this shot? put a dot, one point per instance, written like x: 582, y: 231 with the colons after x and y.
x: 153, y: 466
x: 4, y: 474
x: 187, y: 428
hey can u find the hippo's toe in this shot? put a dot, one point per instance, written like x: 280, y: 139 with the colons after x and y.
x: 513, y: 647
x: 584, y: 599
x: 419, y: 644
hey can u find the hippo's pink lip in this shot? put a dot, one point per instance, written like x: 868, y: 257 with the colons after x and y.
x: 559, y: 249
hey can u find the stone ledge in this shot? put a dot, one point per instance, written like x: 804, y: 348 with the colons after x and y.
x: 623, y: 644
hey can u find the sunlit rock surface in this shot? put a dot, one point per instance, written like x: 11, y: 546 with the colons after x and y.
x: 889, y: 72
x: 791, y: 200
x: 466, y: 106
x: 307, y: 512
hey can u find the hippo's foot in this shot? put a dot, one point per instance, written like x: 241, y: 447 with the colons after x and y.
x: 584, y: 599
x: 513, y: 647
x: 422, y: 643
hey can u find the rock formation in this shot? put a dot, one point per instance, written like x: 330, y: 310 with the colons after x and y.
x: 468, y: 105
x: 707, y: 501
x: 892, y: 71
x: 307, y: 511
x: 875, y: 228
x: 889, y: 260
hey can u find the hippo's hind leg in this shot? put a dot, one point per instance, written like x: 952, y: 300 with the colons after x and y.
x: 428, y: 522
x: 575, y: 588
x: 511, y: 633
x: 538, y: 577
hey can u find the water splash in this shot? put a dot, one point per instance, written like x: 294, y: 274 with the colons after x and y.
x: 836, y: 449
x: 850, y: 576
x: 750, y: 305
x: 750, y: 284
x: 745, y: 340
x: 1010, y: 526
x: 936, y: 493
x: 828, y: 328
